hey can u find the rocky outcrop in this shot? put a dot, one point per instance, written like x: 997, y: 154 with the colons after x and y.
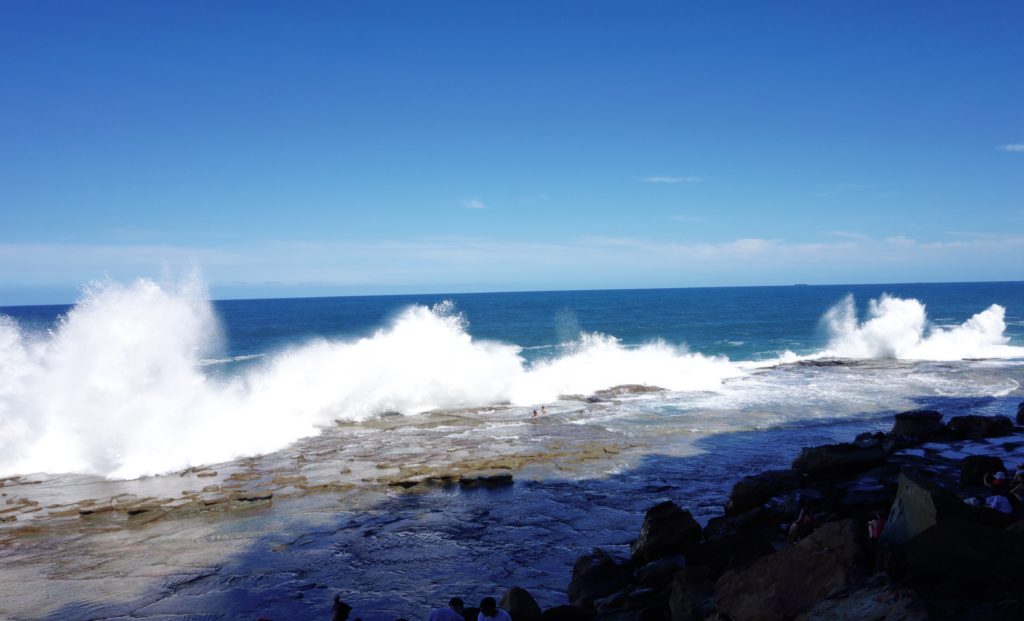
x: 937, y: 554
x: 966, y: 553
x: 1020, y: 414
x: 974, y: 426
x: 734, y: 552
x: 839, y: 459
x: 755, y: 490
x: 520, y: 604
x: 790, y: 582
x: 973, y: 468
x: 919, y: 505
x: 659, y: 573
x: 668, y: 529
x: 486, y: 478
x: 596, y: 576
x: 918, y: 425
x: 567, y: 613
x: 878, y: 600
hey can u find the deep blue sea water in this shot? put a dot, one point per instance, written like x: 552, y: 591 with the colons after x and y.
x: 744, y: 323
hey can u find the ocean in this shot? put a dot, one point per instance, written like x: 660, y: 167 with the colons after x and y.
x: 646, y: 394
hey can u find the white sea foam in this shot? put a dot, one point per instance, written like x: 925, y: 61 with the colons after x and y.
x: 118, y: 388
x: 899, y: 329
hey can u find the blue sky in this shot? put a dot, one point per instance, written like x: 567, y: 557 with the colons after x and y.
x: 384, y: 147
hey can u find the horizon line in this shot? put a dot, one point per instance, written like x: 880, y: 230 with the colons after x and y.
x: 514, y: 291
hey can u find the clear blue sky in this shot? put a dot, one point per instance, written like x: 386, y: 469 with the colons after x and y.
x: 306, y: 148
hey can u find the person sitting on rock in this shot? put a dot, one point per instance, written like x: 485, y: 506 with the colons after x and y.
x: 802, y: 527
x: 1000, y: 503
x: 996, y: 481
x: 489, y: 611
x: 452, y: 612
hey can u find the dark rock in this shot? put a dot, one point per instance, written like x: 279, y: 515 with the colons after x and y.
x: 973, y: 468
x: 920, y: 504
x: 974, y: 426
x: 752, y: 491
x: 688, y: 601
x: 869, y: 438
x: 595, y: 576
x: 838, y: 459
x: 566, y: 613
x: 920, y: 425
x: 733, y: 525
x: 1020, y: 414
x: 668, y: 529
x: 520, y: 604
x: 863, y: 498
x: 878, y: 600
x: 1017, y: 527
x: 659, y: 573
x: 486, y: 478
x: 790, y: 582
x: 959, y: 551
x: 735, y: 552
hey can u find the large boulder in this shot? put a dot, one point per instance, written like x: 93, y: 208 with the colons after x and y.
x: 725, y: 526
x: 690, y: 601
x: 790, y: 582
x: 755, y: 490
x: 659, y: 573
x: 961, y: 552
x: 668, y: 529
x: 834, y: 460
x: 919, y: 425
x: 520, y: 604
x: 974, y: 426
x: 920, y: 504
x: 735, y: 552
x: 567, y: 613
x: 595, y: 576
x: 878, y: 600
x: 973, y: 468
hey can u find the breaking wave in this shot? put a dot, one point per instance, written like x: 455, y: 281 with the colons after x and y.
x: 119, y: 387
x: 899, y: 329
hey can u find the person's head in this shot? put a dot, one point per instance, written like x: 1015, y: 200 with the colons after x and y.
x: 455, y: 604
x: 488, y: 606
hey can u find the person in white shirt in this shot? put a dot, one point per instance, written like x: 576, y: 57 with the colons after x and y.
x: 453, y: 612
x: 489, y: 611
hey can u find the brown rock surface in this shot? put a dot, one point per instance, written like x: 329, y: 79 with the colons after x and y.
x: 790, y: 582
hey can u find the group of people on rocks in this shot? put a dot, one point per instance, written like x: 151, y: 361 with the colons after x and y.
x: 1007, y: 496
x: 454, y: 611
x: 1007, y: 493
